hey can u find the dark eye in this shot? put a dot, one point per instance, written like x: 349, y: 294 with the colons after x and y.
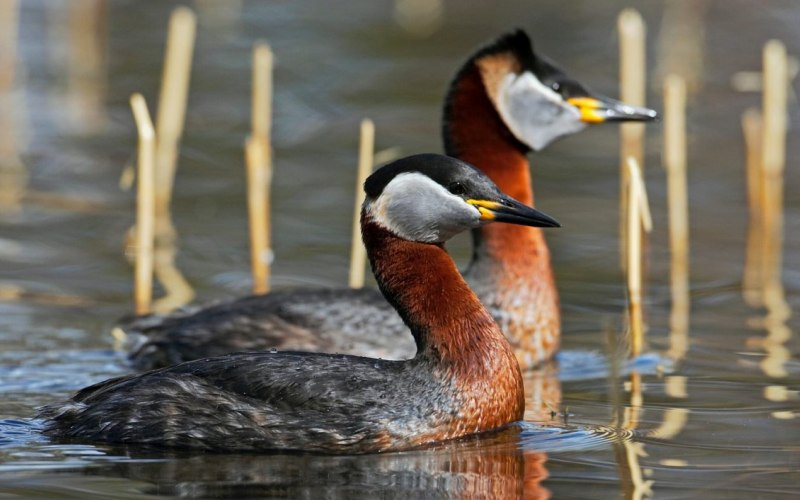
x: 456, y: 188
x: 555, y: 86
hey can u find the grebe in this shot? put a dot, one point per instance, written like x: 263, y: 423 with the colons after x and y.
x: 503, y: 102
x: 463, y: 380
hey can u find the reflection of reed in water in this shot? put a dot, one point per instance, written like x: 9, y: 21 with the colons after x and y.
x: 625, y: 418
x: 752, y: 278
x: 765, y: 139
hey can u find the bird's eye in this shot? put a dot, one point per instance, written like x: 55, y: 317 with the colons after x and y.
x: 555, y: 86
x: 456, y: 188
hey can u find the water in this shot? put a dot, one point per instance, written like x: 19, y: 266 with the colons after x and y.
x: 719, y: 422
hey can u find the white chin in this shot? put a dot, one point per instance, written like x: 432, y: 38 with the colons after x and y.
x: 534, y: 113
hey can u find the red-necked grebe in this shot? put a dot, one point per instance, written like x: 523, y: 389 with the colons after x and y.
x: 464, y: 378
x: 504, y: 101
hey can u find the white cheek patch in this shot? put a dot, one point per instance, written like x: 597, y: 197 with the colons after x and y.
x: 534, y: 113
x: 416, y: 208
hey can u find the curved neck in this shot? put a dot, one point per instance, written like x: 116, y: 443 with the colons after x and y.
x: 475, y: 132
x: 421, y: 281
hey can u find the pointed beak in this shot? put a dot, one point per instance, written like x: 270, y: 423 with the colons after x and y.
x: 513, y: 212
x: 604, y: 109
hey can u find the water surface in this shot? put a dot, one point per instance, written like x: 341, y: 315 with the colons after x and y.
x: 720, y: 421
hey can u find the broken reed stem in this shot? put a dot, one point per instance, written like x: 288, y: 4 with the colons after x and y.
x: 675, y: 164
x: 358, y: 255
x: 258, y: 153
x: 145, y: 210
x: 773, y: 159
x: 632, y: 31
x: 172, y: 103
x: 259, y: 176
x: 752, y: 278
x: 636, y: 202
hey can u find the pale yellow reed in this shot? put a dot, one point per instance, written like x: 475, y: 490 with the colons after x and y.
x: 258, y: 155
x: 145, y: 206
x: 637, y: 198
x: 172, y: 102
x: 674, y: 160
x: 366, y: 151
x: 259, y: 176
x: 632, y: 31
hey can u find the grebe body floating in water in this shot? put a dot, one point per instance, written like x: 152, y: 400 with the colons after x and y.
x: 464, y: 378
x: 504, y: 101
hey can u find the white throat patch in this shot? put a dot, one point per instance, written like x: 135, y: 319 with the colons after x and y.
x: 416, y: 208
x: 534, y: 113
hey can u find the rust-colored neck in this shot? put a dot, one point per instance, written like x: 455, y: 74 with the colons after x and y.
x: 510, y: 270
x: 475, y: 133
x: 422, y: 282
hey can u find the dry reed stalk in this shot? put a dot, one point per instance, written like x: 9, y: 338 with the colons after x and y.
x: 366, y: 151
x: 169, y: 129
x: 675, y: 164
x: 145, y: 210
x: 258, y: 181
x: 172, y: 103
x: 258, y: 152
x: 773, y: 159
x: 261, y: 116
x: 636, y: 220
x: 752, y: 278
x: 632, y: 31
x: 13, y: 175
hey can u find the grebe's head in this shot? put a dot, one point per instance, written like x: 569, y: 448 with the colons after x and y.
x: 430, y: 198
x: 536, y: 100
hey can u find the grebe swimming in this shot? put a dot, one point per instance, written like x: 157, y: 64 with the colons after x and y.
x: 464, y: 378
x: 503, y: 102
